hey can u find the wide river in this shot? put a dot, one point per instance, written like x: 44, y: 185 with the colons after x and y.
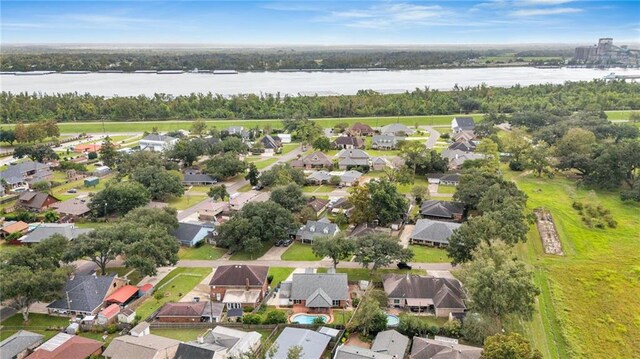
x: 294, y: 83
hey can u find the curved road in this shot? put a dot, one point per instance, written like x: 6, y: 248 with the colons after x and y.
x: 433, y: 136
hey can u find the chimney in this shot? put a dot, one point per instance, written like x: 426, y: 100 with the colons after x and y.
x: 247, y: 283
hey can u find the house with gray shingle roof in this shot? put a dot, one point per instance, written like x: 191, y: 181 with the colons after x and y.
x: 220, y: 342
x: 37, y: 201
x: 433, y: 233
x: 386, y: 142
x: 20, y: 344
x: 84, y: 294
x: 347, y: 143
x: 319, y: 292
x: 354, y: 352
x: 314, y: 160
x: 350, y: 178
x: 391, y: 342
x: 440, y: 296
x: 190, y: 234
x: 198, y: 179
x: 45, y: 230
x: 313, y: 343
x: 72, y: 208
x: 425, y: 348
x: 380, y: 163
x: 442, y: 210
x: 318, y: 177
x: 147, y: 346
x: 348, y: 159
x: 24, y: 174
x: 396, y: 129
x: 459, y: 124
x: 314, y: 229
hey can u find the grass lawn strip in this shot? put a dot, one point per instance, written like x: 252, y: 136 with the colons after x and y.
x: 426, y: 254
x: 279, y: 274
x: 245, y: 256
x: 299, y: 252
x: 358, y: 274
x: 204, y: 252
x: 174, y: 290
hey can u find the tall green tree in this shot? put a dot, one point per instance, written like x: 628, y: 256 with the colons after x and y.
x: 289, y: 197
x: 369, y: 319
x: 380, y: 250
x: 377, y: 200
x: 336, y: 247
x: 160, y: 183
x: 108, y: 153
x: 225, y: 166
x: 119, y: 198
x: 198, y: 127
x: 218, y: 192
x: 322, y: 144
x: 252, y: 175
x: 509, y: 346
x: 187, y: 150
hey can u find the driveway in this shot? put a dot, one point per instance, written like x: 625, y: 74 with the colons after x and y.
x: 406, y: 233
x: 433, y: 136
x: 274, y: 254
x: 201, y: 290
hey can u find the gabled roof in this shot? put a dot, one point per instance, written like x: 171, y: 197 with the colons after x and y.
x: 198, y: 351
x: 182, y: 309
x: 314, y: 229
x: 158, y: 138
x: 19, y: 342
x: 462, y: 146
x: 15, y: 227
x: 353, y: 154
x: 313, y: 343
x: 110, y: 311
x: 143, y: 347
x: 464, y: 135
x: 122, y: 294
x: 186, y: 232
x: 34, y: 199
x: 85, y: 293
x: 436, y: 231
x: 234, y: 341
x: 319, y: 176
x: 73, y: 206
x: 350, y: 176
x: 317, y: 204
x: 451, y: 177
x: 197, y: 178
x: 316, y: 159
x: 270, y: 142
x: 65, y: 346
x: 464, y: 123
x: 396, y: 128
x: 18, y: 173
x: 319, y: 289
x: 237, y: 275
x: 348, y: 141
x: 46, y: 230
x: 443, y: 292
x: 424, y: 348
x: 391, y: 342
x: 353, y: 352
x: 361, y: 127
x: 385, y: 140
x: 442, y: 209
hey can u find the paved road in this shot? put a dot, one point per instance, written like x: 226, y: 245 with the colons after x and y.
x: 433, y: 136
x: 301, y: 264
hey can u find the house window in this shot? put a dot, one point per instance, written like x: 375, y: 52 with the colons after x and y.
x: 297, y: 301
x: 396, y: 301
x: 335, y: 303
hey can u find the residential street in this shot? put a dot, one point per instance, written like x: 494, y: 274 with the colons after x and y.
x: 301, y: 264
x: 433, y: 136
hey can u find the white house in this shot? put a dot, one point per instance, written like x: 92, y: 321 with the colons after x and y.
x: 157, y: 143
x: 284, y: 137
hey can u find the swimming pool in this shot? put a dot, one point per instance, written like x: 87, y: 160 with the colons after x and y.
x: 392, y: 320
x: 307, y: 318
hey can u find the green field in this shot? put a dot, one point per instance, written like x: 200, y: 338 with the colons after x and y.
x: 174, y: 286
x: 205, y: 252
x: 279, y: 274
x: 446, y: 189
x: 589, y: 305
x: 299, y: 252
x: 245, y: 256
x: 426, y: 254
x: 187, y: 200
x: 262, y: 164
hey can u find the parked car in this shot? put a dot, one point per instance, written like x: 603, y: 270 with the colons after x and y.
x: 287, y: 242
x: 279, y: 243
x: 257, y: 187
x: 72, y: 190
x: 403, y: 265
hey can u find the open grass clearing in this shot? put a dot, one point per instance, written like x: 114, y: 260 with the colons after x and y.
x: 199, y: 189
x: 245, y: 256
x: 174, y: 286
x: 288, y: 147
x: 204, y: 252
x: 299, y: 252
x: 577, y: 315
x: 341, y: 316
x: 186, y: 201
x: 262, y: 164
x: 446, y: 189
x: 181, y: 334
x: 417, y: 181
x: 357, y: 274
x: 426, y: 254
x: 320, y: 189
x: 279, y: 274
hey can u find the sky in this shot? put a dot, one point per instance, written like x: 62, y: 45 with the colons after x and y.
x: 266, y: 23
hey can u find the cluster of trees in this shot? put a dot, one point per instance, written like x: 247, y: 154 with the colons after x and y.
x: 378, y: 200
x: 604, y: 154
x: 33, y: 132
x: 370, y: 318
x: 571, y: 96
x: 38, y: 152
x: 254, y: 60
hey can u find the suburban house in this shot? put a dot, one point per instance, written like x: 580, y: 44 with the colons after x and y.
x: 347, y: 143
x: 457, y: 158
x: 361, y: 129
x: 318, y: 205
x: 465, y: 136
x: 433, y: 233
x: 67, y: 346
x: 123, y: 295
x: 442, y: 210
x: 238, y: 131
x: 440, y: 296
x: 350, y: 178
x: 342, y: 205
x: 11, y: 227
x: 88, y: 147
x: 396, y: 129
x: 459, y: 124
x: 185, y: 312
x: 220, y: 343
x: 354, y: 352
x: 318, y: 177
x: 45, y: 230
x: 368, y: 228
x: 108, y: 315
x: 71, y: 209
x: 392, y: 343
x: 271, y: 145
x: 314, y: 160
x: 313, y: 344
x: 442, y: 348
x: 146, y: 346
x: 239, y: 200
x: 20, y: 344
x: 239, y: 286
x: 380, y: 163
x: 313, y: 229
x: 85, y: 294
x: 158, y: 143
x: 190, y: 234
x: 386, y: 142
x: 463, y: 146
x: 36, y: 201
x: 22, y: 175
x: 127, y: 315
x: 197, y: 179
x: 319, y: 292
x: 351, y: 158
x: 445, y: 179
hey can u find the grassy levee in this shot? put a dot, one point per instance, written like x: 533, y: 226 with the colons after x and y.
x: 588, y: 307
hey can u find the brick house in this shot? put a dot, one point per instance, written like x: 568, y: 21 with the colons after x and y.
x: 239, y: 286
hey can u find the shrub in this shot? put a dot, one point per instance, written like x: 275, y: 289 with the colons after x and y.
x: 318, y: 320
x: 251, y: 319
x: 199, y: 244
x: 452, y: 329
x: 516, y: 165
x: 247, y: 309
x: 92, y: 155
x: 577, y: 205
x: 275, y: 317
x: 158, y: 295
x: 112, y: 328
x: 270, y: 278
x: 355, y: 302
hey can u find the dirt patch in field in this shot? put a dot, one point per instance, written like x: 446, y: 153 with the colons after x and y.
x: 548, y: 232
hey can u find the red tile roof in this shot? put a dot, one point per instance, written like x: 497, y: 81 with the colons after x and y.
x: 146, y: 287
x: 16, y: 227
x: 74, y: 348
x: 122, y: 295
x: 110, y: 311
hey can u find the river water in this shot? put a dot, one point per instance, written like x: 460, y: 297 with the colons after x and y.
x: 294, y: 83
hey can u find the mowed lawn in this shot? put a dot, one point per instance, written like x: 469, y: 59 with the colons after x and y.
x: 299, y: 252
x: 357, y: 274
x: 204, y: 252
x: 589, y: 305
x: 174, y: 286
x: 246, y: 256
x: 426, y: 254
x: 279, y: 274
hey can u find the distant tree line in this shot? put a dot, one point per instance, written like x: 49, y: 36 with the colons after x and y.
x: 266, y: 60
x: 556, y: 99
